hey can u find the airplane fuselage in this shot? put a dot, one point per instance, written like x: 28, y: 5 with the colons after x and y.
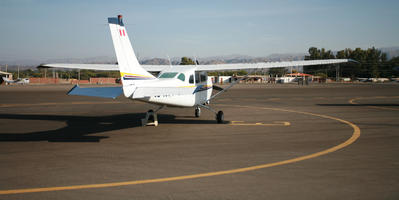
x: 175, y: 86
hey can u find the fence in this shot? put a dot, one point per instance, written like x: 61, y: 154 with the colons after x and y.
x: 72, y: 81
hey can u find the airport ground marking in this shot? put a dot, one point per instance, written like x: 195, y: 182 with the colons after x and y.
x: 243, y: 123
x: 353, y: 101
x: 352, y: 139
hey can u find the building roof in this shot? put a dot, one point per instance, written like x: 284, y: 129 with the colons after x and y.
x: 5, y: 73
x: 299, y: 74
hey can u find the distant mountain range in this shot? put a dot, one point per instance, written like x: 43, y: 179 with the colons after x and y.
x: 31, y: 64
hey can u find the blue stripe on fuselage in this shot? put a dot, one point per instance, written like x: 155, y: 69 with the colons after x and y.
x: 201, y: 88
x: 137, y: 78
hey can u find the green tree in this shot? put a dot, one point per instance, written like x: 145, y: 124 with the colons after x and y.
x: 371, y: 62
x: 187, y: 61
x: 322, y: 75
x: 393, y: 66
x: 318, y: 54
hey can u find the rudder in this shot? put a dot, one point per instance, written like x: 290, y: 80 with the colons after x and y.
x: 129, y: 67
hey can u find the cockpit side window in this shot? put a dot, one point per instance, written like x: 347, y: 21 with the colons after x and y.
x: 191, y: 79
x: 182, y: 77
x: 203, y: 77
x: 197, y: 77
x: 168, y: 75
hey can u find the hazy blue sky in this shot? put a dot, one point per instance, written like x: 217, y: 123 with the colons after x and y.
x: 50, y: 29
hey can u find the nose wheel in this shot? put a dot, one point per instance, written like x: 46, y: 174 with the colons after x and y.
x: 197, y: 112
x: 220, y: 117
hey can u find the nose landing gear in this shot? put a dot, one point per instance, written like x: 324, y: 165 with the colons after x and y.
x: 197, y: 112
x: 219, y: 117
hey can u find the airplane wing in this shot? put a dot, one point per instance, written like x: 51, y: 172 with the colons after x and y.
x: 265, y: 65
x: 212, y: 67
x: 101, y: 67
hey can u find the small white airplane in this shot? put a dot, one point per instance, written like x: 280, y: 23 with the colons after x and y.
x: 176, y: 86
x: 18, y: 81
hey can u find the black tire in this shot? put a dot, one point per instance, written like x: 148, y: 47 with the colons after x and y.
x: 197, y: 112
x: 220, y: 117
x: 151, y: 117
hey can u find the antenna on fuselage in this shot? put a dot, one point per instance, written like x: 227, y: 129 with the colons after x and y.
x: 170, y: 62
x: 196, y: 61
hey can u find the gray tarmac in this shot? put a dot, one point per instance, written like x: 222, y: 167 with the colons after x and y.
x: 49, y: 140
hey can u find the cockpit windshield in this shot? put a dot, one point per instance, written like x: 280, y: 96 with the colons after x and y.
x: 168, y: 75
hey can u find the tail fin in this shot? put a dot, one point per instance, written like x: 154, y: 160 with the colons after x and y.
x: 129, y: 67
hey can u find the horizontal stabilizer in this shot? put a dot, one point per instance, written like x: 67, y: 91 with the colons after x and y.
x: 104, y: 92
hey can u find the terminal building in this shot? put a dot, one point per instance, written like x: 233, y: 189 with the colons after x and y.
x: 6, y: 75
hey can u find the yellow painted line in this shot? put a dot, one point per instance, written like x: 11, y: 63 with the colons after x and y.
x: 241, y: 123
x: 353, y: 101
x: 353, y: 138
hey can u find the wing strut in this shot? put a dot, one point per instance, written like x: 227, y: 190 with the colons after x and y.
x: 228, y: 87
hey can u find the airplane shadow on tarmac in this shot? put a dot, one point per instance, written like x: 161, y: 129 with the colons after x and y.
x: 79, y: 128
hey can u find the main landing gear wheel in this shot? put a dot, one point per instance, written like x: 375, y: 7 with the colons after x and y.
x: 197, y: 112
x: 151, y: 118
x: 150, y: 115
x: 219, y: 117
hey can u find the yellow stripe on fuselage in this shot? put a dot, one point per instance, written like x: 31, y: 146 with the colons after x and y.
x: 191, y: 86
x: 124, y: 73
